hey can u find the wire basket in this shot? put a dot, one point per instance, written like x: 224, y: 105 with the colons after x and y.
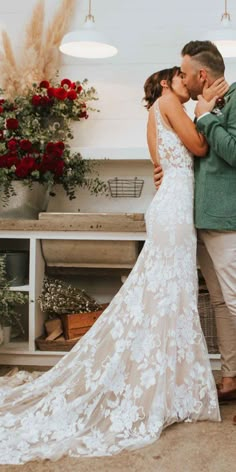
x: 125, y: 187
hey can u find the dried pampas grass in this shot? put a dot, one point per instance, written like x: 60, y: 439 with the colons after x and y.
x: 31, y: 63
x: 8, y: 49
x: 54, y: 34
x: 8, y: 67
x: 40, y: 57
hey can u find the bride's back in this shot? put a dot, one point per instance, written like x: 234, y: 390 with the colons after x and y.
x: 171, y: 152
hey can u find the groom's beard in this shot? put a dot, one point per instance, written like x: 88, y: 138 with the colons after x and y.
x: 194, y: 95
x: 195, y: 92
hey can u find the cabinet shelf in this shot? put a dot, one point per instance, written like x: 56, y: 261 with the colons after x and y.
x: 17, y: 347
x: 20, y: 288
x: 24, y: 352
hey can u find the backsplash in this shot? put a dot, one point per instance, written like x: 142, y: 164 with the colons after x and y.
x: 109, y: 169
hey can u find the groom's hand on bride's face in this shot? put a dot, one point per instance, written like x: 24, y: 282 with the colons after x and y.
x: 158, y: 176
x: 218, y: 88
x: 203, y: 106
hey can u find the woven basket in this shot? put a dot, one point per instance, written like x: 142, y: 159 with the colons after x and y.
x: 56, y: 345
x: 207, y: 319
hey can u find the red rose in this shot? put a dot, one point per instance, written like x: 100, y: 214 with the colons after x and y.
x: 60, y: 145
x: 50, y: 147
x: 12, y: 144
x: 79, y: 88
x: 83, y: 114
x: 60, y: 93
x: 47, y: 164
x: 45, y: 101
x: 36, y: 100
x: 12, y: 123
x: 25, y: 144
x: 2, y: 101
x: 50, y: 164
x: 73, y: 85
x: 57, y: 153
x: 11, y: 161
x: 1, y: 109
x: 25, y: 166
x: 72, y: 95
x: 51, y: 92
x: 44, y: 84
x: 43, y: 164
x: 66, y: 82
x: 59, y: 167
x: 3, y: 161
x: 55, y: 149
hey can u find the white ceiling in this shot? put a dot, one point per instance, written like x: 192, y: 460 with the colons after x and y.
x: 143, y: 30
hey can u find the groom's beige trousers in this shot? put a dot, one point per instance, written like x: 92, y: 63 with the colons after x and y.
x: 217, y: 260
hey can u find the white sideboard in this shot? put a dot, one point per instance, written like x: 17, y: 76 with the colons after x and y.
x: 31, y: 233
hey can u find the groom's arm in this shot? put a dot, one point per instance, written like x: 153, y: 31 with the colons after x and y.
x: 221, y: 140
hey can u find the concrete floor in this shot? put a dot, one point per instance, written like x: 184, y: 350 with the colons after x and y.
x: 186, y: 447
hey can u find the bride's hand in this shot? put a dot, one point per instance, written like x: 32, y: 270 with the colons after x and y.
x: 218, y: 88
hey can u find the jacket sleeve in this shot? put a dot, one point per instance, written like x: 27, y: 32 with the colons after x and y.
x: 221, y: 136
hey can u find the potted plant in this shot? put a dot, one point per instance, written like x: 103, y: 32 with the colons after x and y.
x: 35, y: 134
x: 9, y: 299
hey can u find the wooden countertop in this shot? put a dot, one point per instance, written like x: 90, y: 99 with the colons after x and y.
x: 121, y: 222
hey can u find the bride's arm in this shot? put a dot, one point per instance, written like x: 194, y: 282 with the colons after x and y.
x: 152, y: 136
x: 173, y: 111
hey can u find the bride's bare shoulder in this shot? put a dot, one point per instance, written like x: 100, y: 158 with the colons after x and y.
x: 169, y: 103
x: 168, y: 98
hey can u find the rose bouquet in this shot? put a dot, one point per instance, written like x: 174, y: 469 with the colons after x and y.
x: 35, y: 131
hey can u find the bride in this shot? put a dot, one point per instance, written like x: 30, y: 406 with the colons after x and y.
x: 144, y: 363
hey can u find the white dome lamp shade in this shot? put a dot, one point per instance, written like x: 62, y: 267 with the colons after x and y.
x: 87, y: 42
x: 225, y: 37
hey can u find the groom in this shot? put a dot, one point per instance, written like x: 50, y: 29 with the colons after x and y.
x: 215, y: 194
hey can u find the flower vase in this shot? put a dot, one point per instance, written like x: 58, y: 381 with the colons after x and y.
x: 27, y: 202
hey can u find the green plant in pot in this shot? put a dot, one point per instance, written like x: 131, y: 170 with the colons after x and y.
x: 9, y: 300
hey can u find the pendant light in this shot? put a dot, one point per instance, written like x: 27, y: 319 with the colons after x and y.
x: 87, y: 42
x: 224, y: 37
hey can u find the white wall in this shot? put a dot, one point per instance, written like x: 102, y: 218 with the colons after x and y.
x: 149, y: 35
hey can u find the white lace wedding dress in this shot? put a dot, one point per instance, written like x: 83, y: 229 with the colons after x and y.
x: 143, y: 365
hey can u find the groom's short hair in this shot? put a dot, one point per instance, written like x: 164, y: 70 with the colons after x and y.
x: 206, y: 54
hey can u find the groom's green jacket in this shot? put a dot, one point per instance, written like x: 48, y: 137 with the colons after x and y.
x: 215, y: 174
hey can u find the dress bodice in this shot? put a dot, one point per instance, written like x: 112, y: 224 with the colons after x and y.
x: 170, y: 149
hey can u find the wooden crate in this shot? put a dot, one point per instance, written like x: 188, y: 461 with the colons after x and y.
x: 77, y: 324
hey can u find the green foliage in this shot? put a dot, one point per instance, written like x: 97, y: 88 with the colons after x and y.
x: 9, y: 299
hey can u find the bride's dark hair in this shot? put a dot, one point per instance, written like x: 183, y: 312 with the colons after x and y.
x: 152, y: 86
